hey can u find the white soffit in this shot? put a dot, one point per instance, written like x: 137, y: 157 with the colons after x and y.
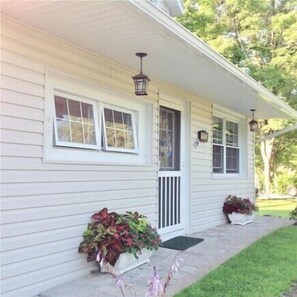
x: 117, y: 30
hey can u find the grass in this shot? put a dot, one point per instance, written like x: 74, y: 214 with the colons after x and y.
x: 265, y: 269
x: 276, y: 207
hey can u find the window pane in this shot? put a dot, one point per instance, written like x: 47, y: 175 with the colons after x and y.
x: 170, y: 119
x: 110, y: 137
x: 163, y: 119
x: 232, y: 160
x: 129, y: 141
x: 87, y: 113
x: 118, y: 120
x: 119, y: 129
x: 61, y: 107
x: 127, y: 121
x: 169, y: 139
x: 74, y: 110
x: 74, y: 122
x: 89, y: 134
x: 218, y: 159
x: 231, y: 133
x: 120, y: 139
x: 108, y: 116
x: 76, y: 133
x: 217, y: 127
x: 63, y: 130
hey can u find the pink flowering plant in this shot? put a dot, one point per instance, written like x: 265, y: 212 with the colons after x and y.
x: 156, y: 286
x: 111, y: 234
x: 239, y: 205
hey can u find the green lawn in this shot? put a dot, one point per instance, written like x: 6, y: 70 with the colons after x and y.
x: 265, y: 269
x: 276, y: 207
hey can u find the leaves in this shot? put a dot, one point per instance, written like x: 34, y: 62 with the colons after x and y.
x: 260, y: 37
x: 111, y: 234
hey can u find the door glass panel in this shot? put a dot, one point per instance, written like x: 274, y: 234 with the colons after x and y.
x: 169, y: 139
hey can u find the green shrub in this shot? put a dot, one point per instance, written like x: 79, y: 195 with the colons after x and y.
x: 283, y: 180
x: 293, y: 214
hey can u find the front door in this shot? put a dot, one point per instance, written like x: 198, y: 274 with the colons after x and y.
x: 169, y: 200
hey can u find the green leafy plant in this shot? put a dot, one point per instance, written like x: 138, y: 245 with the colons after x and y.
x: 239, y: 205
x: 293, y: 214
x: 111, y: 234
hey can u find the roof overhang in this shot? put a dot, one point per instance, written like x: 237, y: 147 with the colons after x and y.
x: 117, y: 30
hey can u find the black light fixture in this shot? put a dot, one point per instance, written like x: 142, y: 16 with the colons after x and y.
x: 253, y: 123
x: 140, y: 80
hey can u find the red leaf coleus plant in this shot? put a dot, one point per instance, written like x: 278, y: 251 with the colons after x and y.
x: 239, y: 205
x: 111, y: 234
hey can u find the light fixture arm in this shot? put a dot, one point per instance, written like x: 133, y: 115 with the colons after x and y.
x: 141, y: 55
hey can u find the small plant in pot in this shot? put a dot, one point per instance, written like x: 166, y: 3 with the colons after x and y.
x: 112, y: 234
x: 239, y: 210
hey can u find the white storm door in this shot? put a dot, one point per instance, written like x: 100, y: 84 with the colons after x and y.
x: 169, y: 194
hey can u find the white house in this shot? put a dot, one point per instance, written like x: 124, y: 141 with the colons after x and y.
x: 75, y: 138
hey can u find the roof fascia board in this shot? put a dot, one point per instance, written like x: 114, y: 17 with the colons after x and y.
x: 196, y: 43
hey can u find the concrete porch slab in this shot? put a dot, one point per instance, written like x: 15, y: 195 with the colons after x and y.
x: 220, y: 244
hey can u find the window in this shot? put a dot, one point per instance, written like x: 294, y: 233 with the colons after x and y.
x: 119, y: 130
x: 169, y: 139
x: 86, y: 123
x: 225, y: 146
x: 74, y: 123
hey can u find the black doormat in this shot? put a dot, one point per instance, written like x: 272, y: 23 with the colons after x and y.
x: 180, y: 243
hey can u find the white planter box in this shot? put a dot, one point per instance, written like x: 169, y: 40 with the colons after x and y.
x: 240, y: 219
x: 127, y: 261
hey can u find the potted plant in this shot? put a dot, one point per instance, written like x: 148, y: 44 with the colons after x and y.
x: 111, y: 235
x: 240, y: 211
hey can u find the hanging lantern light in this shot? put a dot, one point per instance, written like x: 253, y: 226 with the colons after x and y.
x: 253, y: 123
x: 140, y: 80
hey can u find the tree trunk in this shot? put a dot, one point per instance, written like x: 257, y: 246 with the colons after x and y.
x: 266, y: 153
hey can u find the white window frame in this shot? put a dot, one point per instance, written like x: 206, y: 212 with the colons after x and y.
x: 124, y: 110
x: 227, y: 115
x: 96, y: 125
x: 78, y: 87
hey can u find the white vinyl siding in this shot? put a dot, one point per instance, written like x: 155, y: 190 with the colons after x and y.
x: 46, y: 204
x: 208, y: 192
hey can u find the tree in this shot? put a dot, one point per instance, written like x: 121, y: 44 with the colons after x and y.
x: 260, y: 37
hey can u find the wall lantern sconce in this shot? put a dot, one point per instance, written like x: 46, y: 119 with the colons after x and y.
x: 202, y: 137
x: 141, y: 80
x: 253, y: 123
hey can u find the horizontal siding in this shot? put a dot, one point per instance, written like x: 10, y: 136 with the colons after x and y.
x: 25, y: 125
x: 46, y: 206
x: 207, y: 192
x: 73, y: 187
x: 25, y: 215
x: 13, y: 176
x: 20, y: 163
x: 12, y: 97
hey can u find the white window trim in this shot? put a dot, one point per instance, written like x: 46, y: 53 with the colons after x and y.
x: 242, y: 142
x: 95, y: 114
x: 133, y: 113
x: 65, y: 83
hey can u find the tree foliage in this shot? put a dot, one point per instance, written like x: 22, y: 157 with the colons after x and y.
x: 259, y: 37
